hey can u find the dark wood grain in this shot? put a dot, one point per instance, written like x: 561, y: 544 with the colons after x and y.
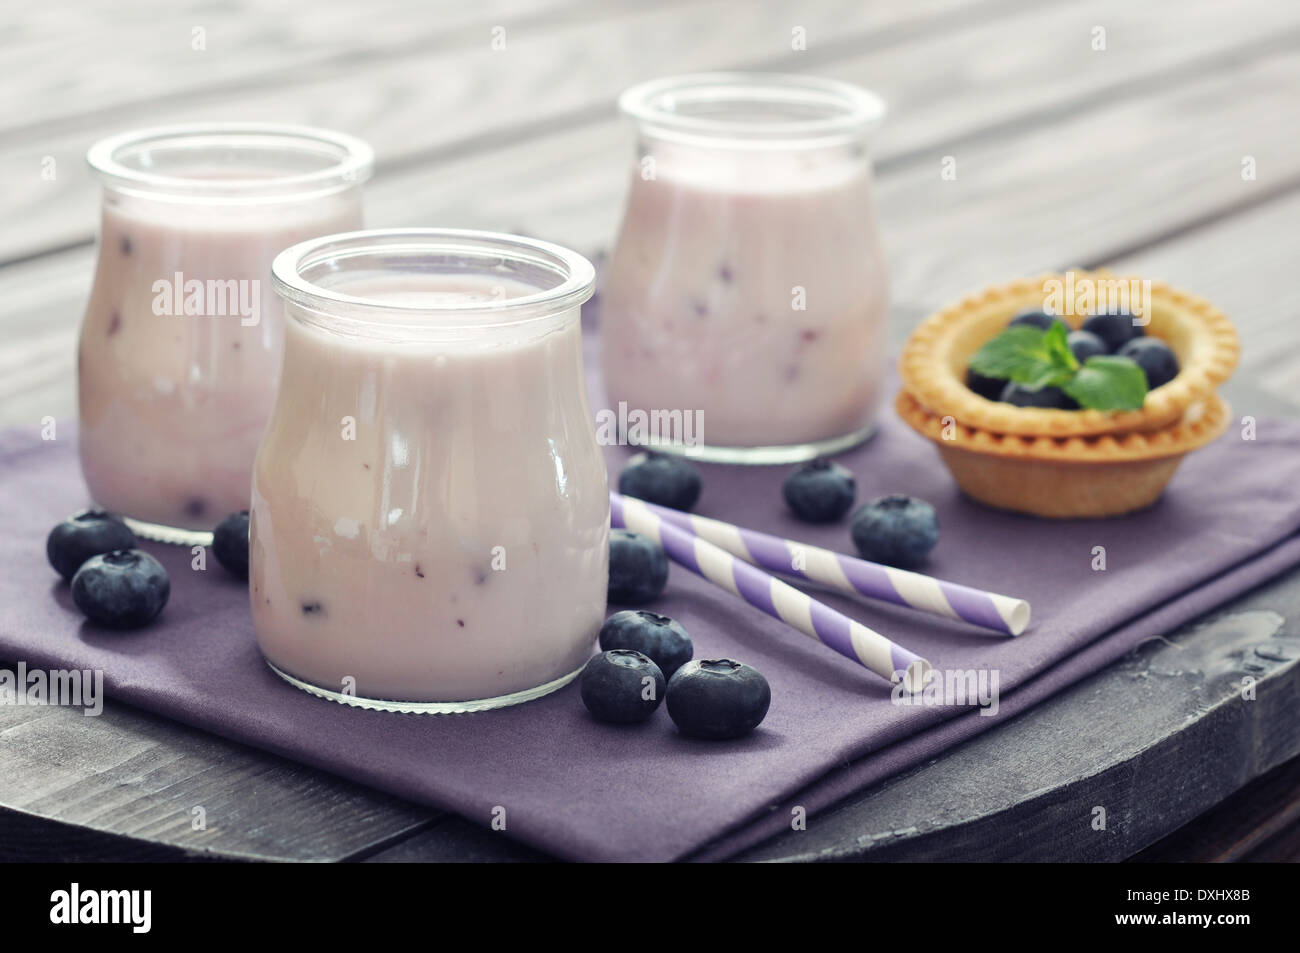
x: 455, y: 840
x: 130, y: 776
x: 1261, y: 822
x: 1153, y: 740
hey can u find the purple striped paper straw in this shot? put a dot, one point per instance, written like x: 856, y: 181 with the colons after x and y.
x: 779, y: 599
x: 852, y: 575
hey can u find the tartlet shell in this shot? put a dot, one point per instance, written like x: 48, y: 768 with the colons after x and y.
x: 935, y: 357
x: 1070, y: 477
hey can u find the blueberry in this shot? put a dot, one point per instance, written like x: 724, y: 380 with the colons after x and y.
x: 820, y: 491
x: 1036, y: 319
x: 1050, y: 397
x: 717, y: 699
x: 83, y: 535
x: 661, y: 478
x: 230, y: 543
x: 655, y: 636
x: 1155, y: 358
x: 621, y: 686
x: 1085, y: 344
x: 1116, y: 328
x: 990, y: 388
x: 638, y: 567
x: 123, y: 589
x: 896, y: 530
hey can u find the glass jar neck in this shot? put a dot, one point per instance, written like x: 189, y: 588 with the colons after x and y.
x: 433, y: 286
x: 754, y: 112
x: 230, y: 165
x: 673, y: 162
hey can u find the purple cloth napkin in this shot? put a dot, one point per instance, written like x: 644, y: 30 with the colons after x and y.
x: 586, y: 791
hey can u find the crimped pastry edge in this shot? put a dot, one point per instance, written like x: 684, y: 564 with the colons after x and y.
x: 1203, y: 422
x: 926, y: 364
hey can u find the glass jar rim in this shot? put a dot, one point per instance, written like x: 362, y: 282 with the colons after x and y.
x: 852, y: 112
x: 352, y: 160
x: 577, y: 278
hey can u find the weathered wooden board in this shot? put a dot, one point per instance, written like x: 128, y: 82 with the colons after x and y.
x: 1064, y: 155
x: 1232, y: 831
x: 74, y: 65
x: 1245, y: 264
x: 145, y: 780
x: 1016, y: 206
x: 556, y: 72
x: 455, y: 840
x: 1152, y: 740
x: 493, y: 98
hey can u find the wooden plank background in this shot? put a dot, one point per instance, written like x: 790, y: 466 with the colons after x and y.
x: 1129, y: 156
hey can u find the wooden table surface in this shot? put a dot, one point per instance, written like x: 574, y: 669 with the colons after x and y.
x: 1157, y: 137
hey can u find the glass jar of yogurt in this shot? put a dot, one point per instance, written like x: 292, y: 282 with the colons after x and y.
x: 747, y: 289
x: 430, y: 518
x: 181, y: 342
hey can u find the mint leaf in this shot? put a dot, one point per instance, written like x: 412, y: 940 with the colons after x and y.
x: 1108, y: 382
x: 1036, y: 359
x: 1028, y: 356
x: 1057, y: 342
